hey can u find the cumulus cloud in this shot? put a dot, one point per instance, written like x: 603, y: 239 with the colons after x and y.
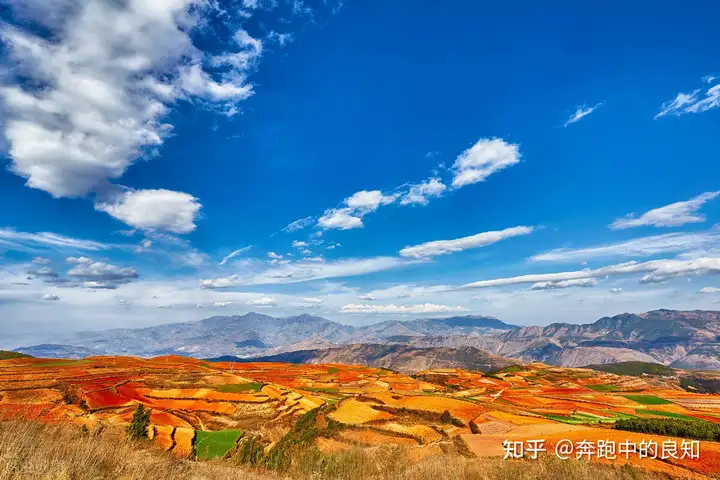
x: 79, y: 260
x: 274, y: 256
x: 673, y: 215
x: 637, y: 247
x: 366, y: 296
x: 616, y: 290
x: 43, y: 272
x: 312, y: 300
x: 445, y: 247
x: 223, y: 304
x: 50, y: 296
x: 87, y: 100
x: 710, y: 290
x: 340, y: 219
x: 100, y: 275
x: 234, y: 254
x: 580, y: 282
x: 656, y: 271
x: 419, y: 193
x: 41, y: 261
x: 356, y: 206
x: 580, y: 113
x: 299, y: 244
x: 400, y: 309
x: 155, y: 209
x: 692, y: 102
x: 222, y: 282
x: 13, y: 239
x: 263, y: 302
x: 483, y: 159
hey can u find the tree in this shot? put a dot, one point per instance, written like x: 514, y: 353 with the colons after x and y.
x: 139, y: 423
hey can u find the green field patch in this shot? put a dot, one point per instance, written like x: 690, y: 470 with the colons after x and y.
x: 215, y: 444
x: 579, y: 419
x: 603, y: 388
x: 647, y: 399
x: 333, y: 370
x: 240, y: 387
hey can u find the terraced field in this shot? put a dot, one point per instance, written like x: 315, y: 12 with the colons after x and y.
x: 210, y: 410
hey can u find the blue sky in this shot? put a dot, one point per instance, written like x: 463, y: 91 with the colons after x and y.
x: 436, y: 154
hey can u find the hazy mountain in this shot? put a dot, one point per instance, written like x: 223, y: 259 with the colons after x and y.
x: 401, y: 358
x: 681, y: 339
x: 686, y: 339
x: 47, y: 350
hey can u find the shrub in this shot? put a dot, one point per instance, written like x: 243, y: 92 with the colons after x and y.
x: 699, y: 430
x: 139, y: 423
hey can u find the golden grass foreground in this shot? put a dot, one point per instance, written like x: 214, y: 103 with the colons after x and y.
x: 29, y: 450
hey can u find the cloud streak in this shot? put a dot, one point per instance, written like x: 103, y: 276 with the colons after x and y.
x: 580, y: 113
x: 673, y: 215
x: 656, y: 271
x: 637, y: 247
x: 445, y: 247
x: 400, y: 309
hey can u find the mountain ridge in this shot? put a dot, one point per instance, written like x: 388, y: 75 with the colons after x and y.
x: 684, y: 339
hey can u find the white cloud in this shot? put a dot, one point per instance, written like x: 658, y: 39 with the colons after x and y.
x: 366, y: 296
x: 41, y: 261
x: 710, y: 290
x: 110, y: 70
x: 234, y: 254
x: 312, y: 300
x: 223, y: 304
x: 637, y: 247
x: 22, y: 241
x: 299, y: 244
x: 314, y: 259
x: 155, y: 209
x: 369, y: 200
x: 692, y: 102
x: 299, y: 224
x: 419, y: 193
x: 281, y: 39
x: 444, y: 247
x: 616, y: 290
x: 79, y: 260
x: 580, y: 282
x: 100, y: 275
x: 357, y: 205
x: 580, y: 113
x: 50, y: 296
x: 483, y: 159
x: 400, y: 309
x: 216, y: 283
x: 673, y: 215
x: 263, y: 302
x: 339, y: 219
x: 274, y: 256
x: 656, y: 271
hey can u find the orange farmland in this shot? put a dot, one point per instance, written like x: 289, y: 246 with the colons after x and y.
x: 356, y: 406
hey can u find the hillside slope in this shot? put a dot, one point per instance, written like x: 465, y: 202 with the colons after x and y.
x: 401, y: 358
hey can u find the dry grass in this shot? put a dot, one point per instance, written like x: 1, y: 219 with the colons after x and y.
x: 32, y: 451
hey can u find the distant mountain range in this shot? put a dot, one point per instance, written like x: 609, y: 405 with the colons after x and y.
x: 684, y: 339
